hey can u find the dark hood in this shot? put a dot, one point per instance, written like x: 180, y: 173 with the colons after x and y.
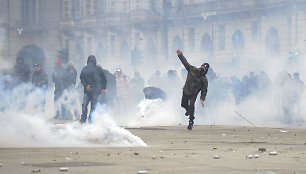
x: 92, y: 59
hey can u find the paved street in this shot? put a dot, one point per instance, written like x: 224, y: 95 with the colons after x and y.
x: 206, y: 149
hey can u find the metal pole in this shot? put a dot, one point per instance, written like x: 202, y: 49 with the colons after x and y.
x: 244, y: 118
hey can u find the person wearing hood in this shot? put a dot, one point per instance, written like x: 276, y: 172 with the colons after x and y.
x: 94, y: 83
x: 21, y: 71
x: 196, y: 81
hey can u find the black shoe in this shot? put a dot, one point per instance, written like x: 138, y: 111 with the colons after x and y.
x: 190, y: 125
x: 187, y: 113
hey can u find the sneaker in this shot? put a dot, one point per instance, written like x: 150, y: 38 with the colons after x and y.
x: 187, y: 112
x: 190, y: 125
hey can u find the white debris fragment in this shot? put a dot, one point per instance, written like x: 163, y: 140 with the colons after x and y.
x: 216, y: 157
x: 142, y: 172
x: 63, y: 169
x: 223, y: 134
x: 249, y: 157
x: 68, y: 158
x: 273, y: 153
x: 283, y: 131
x: 256, y: 156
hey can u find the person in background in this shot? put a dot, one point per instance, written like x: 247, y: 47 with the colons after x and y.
x: 21, y: 71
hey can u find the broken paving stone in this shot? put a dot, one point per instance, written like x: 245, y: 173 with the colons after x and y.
x: 36, y: 171
x: 273, y: 153
x: 63, y: 169
x: 261, y: 149
x: 216, y: 157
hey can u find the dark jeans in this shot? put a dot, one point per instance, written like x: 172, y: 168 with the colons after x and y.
x: 93, y: 99
x: 188, y: 103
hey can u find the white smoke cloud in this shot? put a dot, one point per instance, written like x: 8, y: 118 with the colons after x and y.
x: 24, y: 125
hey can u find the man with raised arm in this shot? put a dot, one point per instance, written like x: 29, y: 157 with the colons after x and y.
x: 196, y: 82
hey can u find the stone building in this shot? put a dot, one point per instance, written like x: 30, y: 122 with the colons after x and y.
x: 31, y: 30
x: 220, y: 32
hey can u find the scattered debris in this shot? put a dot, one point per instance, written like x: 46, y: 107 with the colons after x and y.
x: 223, y: 134
x: 154, y: 157
x: 136, y: 153
x: 261, y: 149
x: 283, y: 131
x: 214, y: 148
x: 63, y: 169
x: 142, y: 172
x: 22, y: 163
x: 216, y: 157
x: 0, y: 165
x: 273, y: 153
x: 256, y: 156
x: 68, y: 159
x: 36, y: 171
x: 249, y: 156
x: 108, y: 154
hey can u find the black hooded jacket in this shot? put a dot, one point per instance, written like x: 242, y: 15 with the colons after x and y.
x: 94, y: 76
x: 21, y: 72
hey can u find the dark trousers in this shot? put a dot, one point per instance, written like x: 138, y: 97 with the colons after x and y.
x: 93, y: 99
x: 188, y: 103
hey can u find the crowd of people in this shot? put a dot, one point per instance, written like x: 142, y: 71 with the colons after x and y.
x: 120, y: 92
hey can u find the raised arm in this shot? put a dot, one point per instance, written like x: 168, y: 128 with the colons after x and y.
x: 183, y: 60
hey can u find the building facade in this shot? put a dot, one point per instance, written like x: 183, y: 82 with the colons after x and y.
x: 220, y: 32
x: 31, y: 30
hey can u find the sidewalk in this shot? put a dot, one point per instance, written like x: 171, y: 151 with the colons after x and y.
x: 173, y: 150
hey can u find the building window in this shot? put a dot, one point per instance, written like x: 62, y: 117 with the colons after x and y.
x: 31, y: 10
x: 191, y: 37
x: 88, y: 7
x: 137, y: 4
x: 112, y: 7
x: 96, y: 7
x: 255, y: 31
x: 77, y: 11
x: 66, y: 9
x: 125, y: 7
x: 221, y: 37
x: 289, y: 32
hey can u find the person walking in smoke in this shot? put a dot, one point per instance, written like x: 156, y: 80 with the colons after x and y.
x: 58, y: 80
x: 94, y: 83
x: 40, y: 81
x: 196, y: 81
x: 21, y: 71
